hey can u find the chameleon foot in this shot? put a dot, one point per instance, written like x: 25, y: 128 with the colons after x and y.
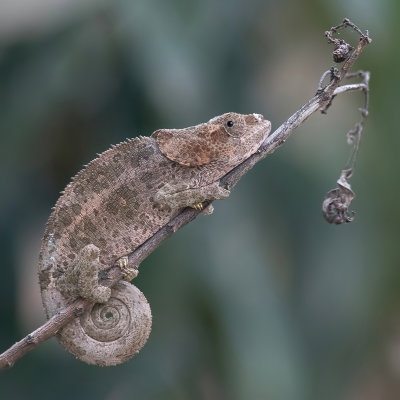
x: 128, y: 273
x: 197, y: 206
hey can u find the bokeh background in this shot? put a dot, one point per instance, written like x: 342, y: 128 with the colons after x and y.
x: 261, y: 300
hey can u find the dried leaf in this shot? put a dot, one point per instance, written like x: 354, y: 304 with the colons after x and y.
x: 335, y: 207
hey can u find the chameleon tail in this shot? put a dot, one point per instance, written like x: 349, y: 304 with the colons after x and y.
x: 111, y: 333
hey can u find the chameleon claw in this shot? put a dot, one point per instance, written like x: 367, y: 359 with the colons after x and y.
x: 197, y: 206
x: 122, y: 262
x: 128, y: 273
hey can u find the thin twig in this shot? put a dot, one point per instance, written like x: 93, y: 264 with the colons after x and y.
x: 335, y: 207
x: 320, y: 101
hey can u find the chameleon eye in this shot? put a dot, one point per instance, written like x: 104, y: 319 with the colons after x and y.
x: 229, y: 124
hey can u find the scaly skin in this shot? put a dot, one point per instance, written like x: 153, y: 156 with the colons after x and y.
x: 130, y: 191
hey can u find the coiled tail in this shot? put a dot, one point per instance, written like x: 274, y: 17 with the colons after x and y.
x: 110, y: 333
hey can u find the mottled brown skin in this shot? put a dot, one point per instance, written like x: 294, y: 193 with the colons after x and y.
x: 124, y: 196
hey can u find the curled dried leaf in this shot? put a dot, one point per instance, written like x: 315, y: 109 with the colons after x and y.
x: 342, y: 51
x: 335, y: 206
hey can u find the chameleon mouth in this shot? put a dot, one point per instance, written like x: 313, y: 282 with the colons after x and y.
x: 264, y: 128
x: 253, y: 119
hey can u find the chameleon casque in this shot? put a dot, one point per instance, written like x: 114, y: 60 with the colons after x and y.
x: 118, y: 201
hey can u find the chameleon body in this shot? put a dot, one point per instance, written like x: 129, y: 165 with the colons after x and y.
x: 118, y: 201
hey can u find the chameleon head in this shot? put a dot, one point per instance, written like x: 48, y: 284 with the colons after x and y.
x: 229, y: 138
x: 242, y: 134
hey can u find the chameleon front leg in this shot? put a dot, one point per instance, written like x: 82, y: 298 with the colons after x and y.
x: 178, y: 196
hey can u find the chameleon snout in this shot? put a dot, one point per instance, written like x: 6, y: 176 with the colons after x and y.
x: 259, y: 117
x: 253, y: 118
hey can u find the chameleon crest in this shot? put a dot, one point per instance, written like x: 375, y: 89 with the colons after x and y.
x: 117, y: 202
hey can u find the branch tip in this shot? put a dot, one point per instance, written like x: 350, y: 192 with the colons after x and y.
x: 343, y: 50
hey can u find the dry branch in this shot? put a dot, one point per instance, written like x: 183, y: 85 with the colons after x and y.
x: 343, y: 52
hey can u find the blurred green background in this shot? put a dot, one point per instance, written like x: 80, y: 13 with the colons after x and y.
x: 263, y: 299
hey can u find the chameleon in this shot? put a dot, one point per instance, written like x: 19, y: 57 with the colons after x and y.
x: 112, y: 206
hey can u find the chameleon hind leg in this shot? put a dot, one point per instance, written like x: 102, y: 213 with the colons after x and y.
x: 82, y: 278
x: 87, y: 275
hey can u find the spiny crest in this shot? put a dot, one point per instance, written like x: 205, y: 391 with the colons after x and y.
x: 129, y: 142
x: 104, y: 154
